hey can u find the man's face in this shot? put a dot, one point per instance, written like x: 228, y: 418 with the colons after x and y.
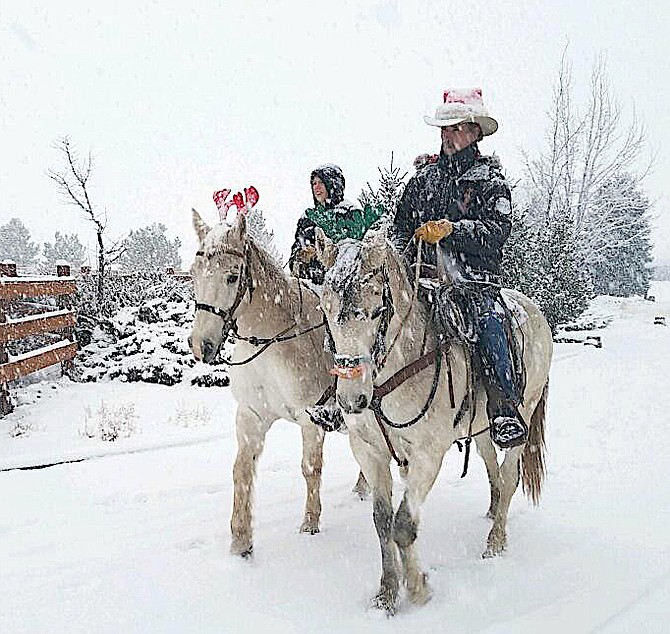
x: 319, y: 190
x: 457, y: 137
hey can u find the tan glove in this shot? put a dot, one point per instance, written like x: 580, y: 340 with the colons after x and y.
x: 307, y: 254
x: 434, y: 230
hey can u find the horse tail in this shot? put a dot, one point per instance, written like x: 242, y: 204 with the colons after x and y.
x: 532, y: 459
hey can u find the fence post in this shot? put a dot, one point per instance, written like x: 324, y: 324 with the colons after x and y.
x: 8, y: 269
x: 65, y: 303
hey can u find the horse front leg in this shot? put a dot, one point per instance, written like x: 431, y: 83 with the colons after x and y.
x: 375, y: 468
x: 509, y: 478
x: 420, y: 479
x: 487, y: 451
x: 312, y: 465
x: 250, y: 430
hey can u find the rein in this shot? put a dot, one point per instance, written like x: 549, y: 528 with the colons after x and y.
x: 402, y: 375
x: 267, y: 342
x: 353, y: 367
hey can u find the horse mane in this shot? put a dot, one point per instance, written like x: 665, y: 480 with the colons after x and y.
x: 345, y: 278
x: 266, y: 273
x: 345, y: 270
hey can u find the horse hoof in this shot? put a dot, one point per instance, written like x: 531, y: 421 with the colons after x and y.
x: 386, y: 600
x: 243, y: 550
x: 310, y: 529
x: 493, y: 550
x: 361, y: 494
x: 421, y: 594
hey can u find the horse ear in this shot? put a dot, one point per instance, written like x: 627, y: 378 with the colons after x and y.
x: 374, y: 249
x: 326, y: 250
x: 239, y: 228
x: 200, y: 226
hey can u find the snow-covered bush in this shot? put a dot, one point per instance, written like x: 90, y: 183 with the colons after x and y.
x: 123, y: 291
x: 147, y: 343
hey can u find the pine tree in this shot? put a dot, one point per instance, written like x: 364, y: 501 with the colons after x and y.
x: 389, y: 192
x: 519, y: 252
x: 558, y: 279
x: 149, y: 249
x: 258, y: 230
x: 65, y: 247
x: 15, y: 245
x: 619, y: 239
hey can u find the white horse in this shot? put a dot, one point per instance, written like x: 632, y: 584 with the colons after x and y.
x: 384, y: 347
x: 278, y: 367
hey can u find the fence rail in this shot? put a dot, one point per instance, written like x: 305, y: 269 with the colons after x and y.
x: 15, y: 289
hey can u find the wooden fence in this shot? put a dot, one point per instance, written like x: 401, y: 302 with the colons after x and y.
x: 15, y: 290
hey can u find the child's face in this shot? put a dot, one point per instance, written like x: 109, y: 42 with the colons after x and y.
x: 319, y: 190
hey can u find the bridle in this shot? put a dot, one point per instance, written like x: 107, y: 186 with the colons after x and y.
x: 353, y: 366
x: 229, y: 326
x: 228, y: 315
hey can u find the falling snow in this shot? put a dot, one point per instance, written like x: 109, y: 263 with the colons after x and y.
x: 134, y: 538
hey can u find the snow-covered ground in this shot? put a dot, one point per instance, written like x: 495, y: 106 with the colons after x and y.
x: 134, y: 538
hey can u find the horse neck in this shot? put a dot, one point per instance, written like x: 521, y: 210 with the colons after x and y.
x: 410, y: 321
x: 271, y: 305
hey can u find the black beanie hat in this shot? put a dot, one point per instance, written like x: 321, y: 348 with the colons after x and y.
x: 333, y: 179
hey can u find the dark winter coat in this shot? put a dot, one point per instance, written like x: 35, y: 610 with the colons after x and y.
x: 339, y: 219
x: 469, y: 190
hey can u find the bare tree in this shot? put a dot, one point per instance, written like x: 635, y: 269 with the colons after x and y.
x: 73, y: 182
x: 609, y: 148
x: 583, y: 152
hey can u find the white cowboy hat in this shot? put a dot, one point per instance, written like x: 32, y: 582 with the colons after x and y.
x: 460, y: 106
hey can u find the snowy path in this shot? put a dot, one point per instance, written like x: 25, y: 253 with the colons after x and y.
x: 137, y: 542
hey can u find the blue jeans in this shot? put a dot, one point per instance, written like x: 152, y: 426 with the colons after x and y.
x: 494, y: 350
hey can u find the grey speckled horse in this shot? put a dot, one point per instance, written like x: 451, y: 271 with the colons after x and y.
x: 236, y: 278
x: 378, y: 329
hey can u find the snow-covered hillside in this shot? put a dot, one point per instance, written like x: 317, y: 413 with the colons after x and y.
x: 135, y: 538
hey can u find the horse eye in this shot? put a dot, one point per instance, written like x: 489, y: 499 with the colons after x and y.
x: 231, y: 279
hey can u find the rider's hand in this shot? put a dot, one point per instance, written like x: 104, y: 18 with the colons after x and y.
x: 308, y: 253
x: 434, y: 230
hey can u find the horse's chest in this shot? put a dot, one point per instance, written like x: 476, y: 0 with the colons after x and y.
x: 272, y: 383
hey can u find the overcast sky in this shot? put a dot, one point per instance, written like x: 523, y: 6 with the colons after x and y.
x: 176, y: 100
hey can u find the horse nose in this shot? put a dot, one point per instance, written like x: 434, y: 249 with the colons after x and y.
x: 208, y: 350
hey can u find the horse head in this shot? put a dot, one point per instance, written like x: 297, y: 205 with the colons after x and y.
x: 358, y: 304
x: 221, y: 279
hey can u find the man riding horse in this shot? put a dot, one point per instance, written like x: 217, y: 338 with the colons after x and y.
x: 459, y: 202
